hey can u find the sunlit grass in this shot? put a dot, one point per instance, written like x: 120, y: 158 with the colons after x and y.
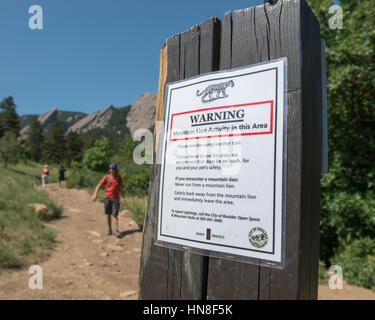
x: 23, y: 237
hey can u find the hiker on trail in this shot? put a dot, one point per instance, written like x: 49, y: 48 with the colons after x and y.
x: 61, y: 177
x: 45, y: 173
x: 114, y: 186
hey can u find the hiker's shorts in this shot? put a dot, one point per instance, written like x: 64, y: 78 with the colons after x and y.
x: 44, y: 179
x: 111, y: 206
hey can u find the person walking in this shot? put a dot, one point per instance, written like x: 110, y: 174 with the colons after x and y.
x: 61, y: 177
x: 113, y: 189
x: 45, y: 173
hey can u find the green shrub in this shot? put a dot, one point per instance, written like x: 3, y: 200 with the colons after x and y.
x: 23, y: 194
x: 136, y: 179
x: 23, y: 237
x: 138, y: 207
x: 54, y: 211
x: 97, y: 158
x: 7, y: 258
x: 357, y: 261
x: 344, y: 216
x: 76, y: 179
x: 81, y: 177
x: 323, y: 277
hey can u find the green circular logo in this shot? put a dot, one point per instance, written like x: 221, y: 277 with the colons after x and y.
x: 258, y: 237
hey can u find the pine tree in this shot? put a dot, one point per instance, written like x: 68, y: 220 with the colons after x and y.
x: 54, y: 147
x: 9, y: 148
x: 74, y: 146
x: 9, y: 119
x: 34, y: 139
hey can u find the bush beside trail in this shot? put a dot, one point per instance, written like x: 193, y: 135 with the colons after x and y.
x: 23, y: 237
x: 138, y: 207
x: 357, y: 261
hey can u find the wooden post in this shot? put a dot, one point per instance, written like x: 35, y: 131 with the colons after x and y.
x: 287, y: 29
x: 168, y: 273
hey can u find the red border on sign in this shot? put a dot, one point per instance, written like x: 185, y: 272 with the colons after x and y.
x: 225, y: 135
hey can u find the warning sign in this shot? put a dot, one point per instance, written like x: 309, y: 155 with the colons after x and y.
x: 222, y: 173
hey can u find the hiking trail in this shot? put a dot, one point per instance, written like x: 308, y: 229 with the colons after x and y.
x: 85, y: 263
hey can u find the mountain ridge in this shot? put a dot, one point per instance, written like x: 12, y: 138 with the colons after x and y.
x: 140, y: 115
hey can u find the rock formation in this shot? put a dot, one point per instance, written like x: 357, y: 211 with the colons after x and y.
x: 97, y: 119
x: 142, y: 113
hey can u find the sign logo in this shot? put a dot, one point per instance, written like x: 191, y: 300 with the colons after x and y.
x: 258, y: 237
x: 219, y: 89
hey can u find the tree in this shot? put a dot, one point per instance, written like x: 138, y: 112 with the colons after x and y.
x: 351, y: 95
x: 34, y: 139
x: 9, y: 119
x: 347, y: 211
x: 97, y: 158
x: 74, y: 146
x: 9, y: 148
x: 54, y: 148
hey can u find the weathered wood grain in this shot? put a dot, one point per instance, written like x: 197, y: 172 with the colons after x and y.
x: 287, y: 29
x: 184, y: 275
x: 229, y: 279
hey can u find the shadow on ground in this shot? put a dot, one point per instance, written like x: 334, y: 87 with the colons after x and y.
x: 128, y: 232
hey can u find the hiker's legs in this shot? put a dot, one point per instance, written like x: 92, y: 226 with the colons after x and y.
x: 43, y: 181
x: 115, y: 209
x: 108, y: 211
x: 111, y: 207
x: 109, y: 222
x: 116, y: 222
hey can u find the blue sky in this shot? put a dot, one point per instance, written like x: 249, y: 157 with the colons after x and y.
x: 91, y: 53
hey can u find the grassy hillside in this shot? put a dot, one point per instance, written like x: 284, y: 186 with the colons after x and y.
x: 24, y: 239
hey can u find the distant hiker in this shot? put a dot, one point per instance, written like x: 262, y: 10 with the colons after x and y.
x: 113, y: 188
x: 45, y: 173
x: 61, y: 177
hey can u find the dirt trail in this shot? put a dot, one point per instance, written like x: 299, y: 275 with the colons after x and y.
x: 348, y: 292
x: 85, y: 264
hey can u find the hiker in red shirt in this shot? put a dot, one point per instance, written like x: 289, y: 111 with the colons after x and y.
x: 113, y: 188
x: 45, y: 173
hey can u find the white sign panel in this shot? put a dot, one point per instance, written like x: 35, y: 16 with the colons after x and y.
x: 222, y: 171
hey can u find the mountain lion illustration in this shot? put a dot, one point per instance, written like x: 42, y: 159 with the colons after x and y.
x: 219, y: 88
